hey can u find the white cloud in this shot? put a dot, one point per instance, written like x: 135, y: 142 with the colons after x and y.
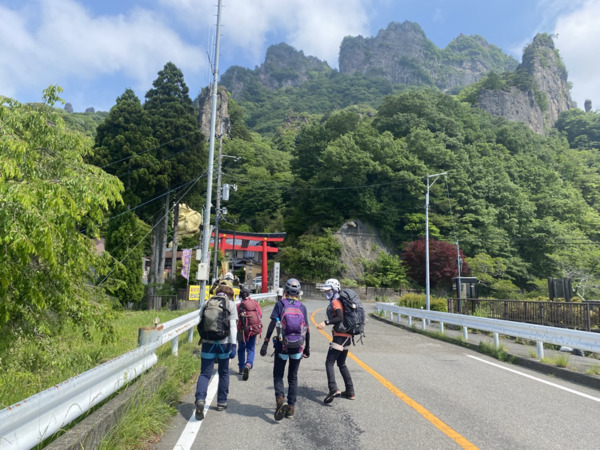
x: 59, y: 40
x: 313, y: 26
x: 578, y: 40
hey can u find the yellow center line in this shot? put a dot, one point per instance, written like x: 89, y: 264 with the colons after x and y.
x: 438, y: 423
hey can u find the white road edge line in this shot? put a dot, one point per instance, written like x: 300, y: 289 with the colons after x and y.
x: 188, y: 436
x: 572, y: 391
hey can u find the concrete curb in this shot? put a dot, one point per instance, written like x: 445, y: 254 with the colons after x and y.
x: 88, y: 433
x: 529, y: 363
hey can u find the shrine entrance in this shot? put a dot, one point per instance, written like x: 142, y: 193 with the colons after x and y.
x: 251, y: 244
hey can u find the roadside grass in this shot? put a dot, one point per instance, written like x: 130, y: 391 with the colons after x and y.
x: 594, y: 370
x: 558, y: 361
x: 146, y: 419
x: 499, y: 353
x: 33, y: 364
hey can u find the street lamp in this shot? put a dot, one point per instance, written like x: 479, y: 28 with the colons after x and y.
x: 427, y: 297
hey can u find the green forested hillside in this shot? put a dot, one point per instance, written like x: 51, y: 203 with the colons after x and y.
x: 265, y: 109
x: 522, y: 206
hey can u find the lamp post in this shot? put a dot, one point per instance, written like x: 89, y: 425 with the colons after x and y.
x: 427, y: 296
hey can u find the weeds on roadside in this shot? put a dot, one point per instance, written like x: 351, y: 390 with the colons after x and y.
x: 558, y: 361
x: 594, y: 370
x: 499, y: 353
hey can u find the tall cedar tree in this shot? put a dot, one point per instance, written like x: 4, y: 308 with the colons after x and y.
x: 180, y: 154
x: 124, y: 147
x: 442, y: 262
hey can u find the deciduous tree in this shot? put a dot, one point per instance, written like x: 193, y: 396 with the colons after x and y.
x: 51, y: 204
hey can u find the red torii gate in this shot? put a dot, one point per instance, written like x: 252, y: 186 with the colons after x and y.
x: 259, y: 243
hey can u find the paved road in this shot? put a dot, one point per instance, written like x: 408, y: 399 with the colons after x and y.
x: 413, y: 392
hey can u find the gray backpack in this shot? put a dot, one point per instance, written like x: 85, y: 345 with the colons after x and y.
x: 214, y: 323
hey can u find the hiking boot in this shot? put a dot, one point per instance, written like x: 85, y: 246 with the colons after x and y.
x: 199, y: 410
x: 246, y: 372
x: 221, y: 406
x: 348, y: 395
x: 290, y: 412
x: 282, y: 408
x: 334, y: 393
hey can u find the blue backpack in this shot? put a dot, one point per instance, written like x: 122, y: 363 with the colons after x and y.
x: 293, y: 326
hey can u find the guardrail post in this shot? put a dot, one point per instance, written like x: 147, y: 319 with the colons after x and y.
x: 424, y: 324
x: 442, y: 327
x: 149, y: 335
x: 410, y: 321
x: 465, y: 333
x: 399, y: 317
x: 496, y: 340
x: 190, y: 336
x: 540, y: 349
x: 175, y: 345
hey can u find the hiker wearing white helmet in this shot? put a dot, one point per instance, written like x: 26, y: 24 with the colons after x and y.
x: 338, y: 348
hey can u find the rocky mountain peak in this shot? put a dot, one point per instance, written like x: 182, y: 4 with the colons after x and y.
x: 285, y: 66
x: 402, y: 54
x: 537, y: 93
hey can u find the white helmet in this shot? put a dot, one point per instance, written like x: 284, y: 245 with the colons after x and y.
x: 228, y: 276
x: 332, y: 283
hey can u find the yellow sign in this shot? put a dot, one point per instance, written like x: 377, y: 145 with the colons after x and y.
x: 194, y: 294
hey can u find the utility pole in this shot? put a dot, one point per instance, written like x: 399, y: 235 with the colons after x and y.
x: 202, y: 274
x: 218, y: 207
x: 427, y: 296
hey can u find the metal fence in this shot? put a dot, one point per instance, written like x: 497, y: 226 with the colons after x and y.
x: 578, y: 316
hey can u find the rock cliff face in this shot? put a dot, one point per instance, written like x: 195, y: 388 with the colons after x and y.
x: 204, y: 106
x: 402, y: 54
x: 514, y: 105
x: 359, y: 241
x: 285, y: 66
x: 540, y: 102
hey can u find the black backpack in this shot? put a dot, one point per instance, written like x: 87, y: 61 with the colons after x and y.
x: 214, y: 324
x: 354, y: 314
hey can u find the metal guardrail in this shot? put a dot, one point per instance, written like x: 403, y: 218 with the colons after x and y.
x: 576, y: 315
x: 33, y: 420
x: 582, y: 340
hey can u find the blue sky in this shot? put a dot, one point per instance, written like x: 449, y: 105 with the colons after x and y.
x: 95, y: 49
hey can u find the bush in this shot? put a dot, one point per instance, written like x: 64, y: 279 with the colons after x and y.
x: 419, y: 301
x: 348, y: 283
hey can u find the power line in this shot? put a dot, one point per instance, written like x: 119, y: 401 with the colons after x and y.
x: 151, y: 229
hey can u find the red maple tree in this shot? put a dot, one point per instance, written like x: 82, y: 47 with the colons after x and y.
x: 442, y: 262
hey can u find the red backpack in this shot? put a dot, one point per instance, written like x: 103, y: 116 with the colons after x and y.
x: 250, y: 323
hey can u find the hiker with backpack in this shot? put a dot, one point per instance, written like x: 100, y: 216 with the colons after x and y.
x: 291, y: 343
x: 217, y: 327
x: 343, y: 333
x: 249, y: 326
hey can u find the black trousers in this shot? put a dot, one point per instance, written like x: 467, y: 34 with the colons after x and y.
x: 335, y: 355
x: 278, y: 372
